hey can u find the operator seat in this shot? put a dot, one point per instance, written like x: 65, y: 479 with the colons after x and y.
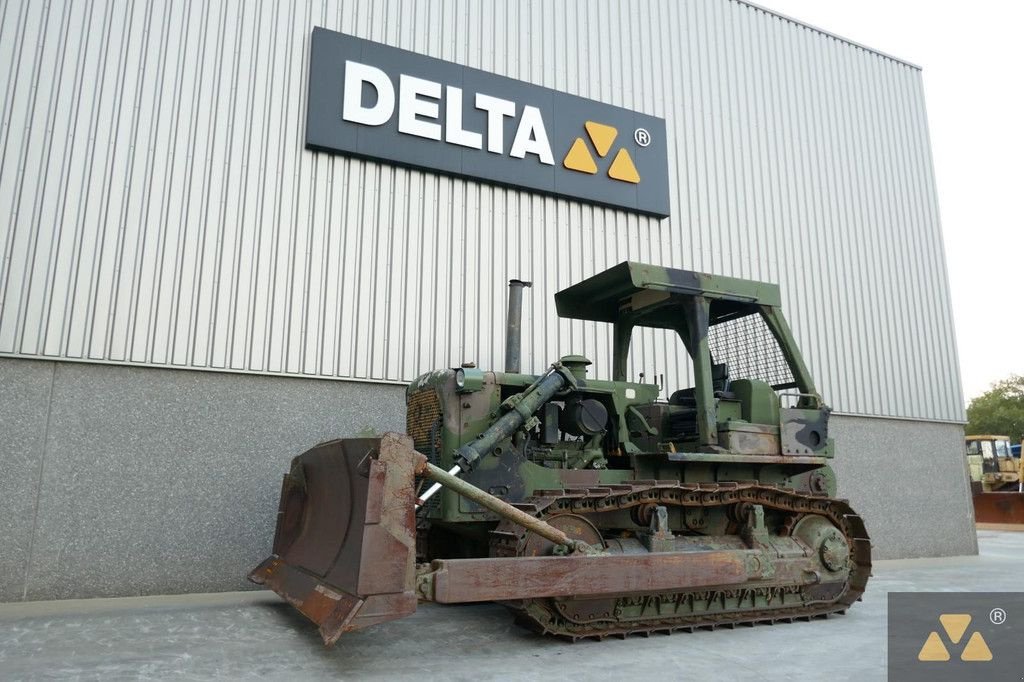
x: 719, y: 384
x: 683, y: 420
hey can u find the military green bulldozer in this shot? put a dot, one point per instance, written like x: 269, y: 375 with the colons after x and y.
x: 591, y: 508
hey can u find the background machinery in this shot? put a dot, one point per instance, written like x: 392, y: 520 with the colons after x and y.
x: 997, y: 480
x: 592, y: 508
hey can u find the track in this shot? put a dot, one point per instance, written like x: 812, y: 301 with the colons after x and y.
x: 762, y: 602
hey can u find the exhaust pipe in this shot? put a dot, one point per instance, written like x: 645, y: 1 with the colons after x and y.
x: 514, y: 326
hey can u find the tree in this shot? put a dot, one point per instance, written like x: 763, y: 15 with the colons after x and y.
x: 999, y: 411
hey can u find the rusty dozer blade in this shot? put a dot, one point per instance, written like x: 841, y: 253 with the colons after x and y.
x: 999, y: 508
x: 345, y: 544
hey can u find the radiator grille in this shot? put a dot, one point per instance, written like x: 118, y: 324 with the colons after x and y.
x: 422, y: 421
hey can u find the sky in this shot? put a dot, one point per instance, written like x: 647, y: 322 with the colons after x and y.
x: 972, y: 57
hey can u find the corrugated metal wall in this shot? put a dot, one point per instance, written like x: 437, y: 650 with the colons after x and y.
x: 158, y: 206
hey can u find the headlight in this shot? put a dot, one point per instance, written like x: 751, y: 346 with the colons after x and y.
x: 468, y: 379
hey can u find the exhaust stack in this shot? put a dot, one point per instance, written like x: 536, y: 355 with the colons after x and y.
x: 514, y: 326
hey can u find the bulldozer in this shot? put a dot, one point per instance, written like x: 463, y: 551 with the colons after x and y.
x: 997, y: 481
x: 591, y: 508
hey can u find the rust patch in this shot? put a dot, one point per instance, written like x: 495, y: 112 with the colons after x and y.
x: 999, y: 508
x: 474, y: 580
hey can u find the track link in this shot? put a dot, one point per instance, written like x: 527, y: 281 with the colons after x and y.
x: 785, y: 602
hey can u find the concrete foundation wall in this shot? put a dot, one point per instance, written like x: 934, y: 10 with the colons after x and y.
x: 128, y: 481
x: 908, y: 480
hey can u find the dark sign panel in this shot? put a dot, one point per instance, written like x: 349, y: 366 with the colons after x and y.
x: 375, y: 101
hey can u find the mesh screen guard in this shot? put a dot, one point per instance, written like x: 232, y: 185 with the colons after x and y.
x: 751, y: 351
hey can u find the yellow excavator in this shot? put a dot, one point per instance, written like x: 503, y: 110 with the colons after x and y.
x: 997, y: 480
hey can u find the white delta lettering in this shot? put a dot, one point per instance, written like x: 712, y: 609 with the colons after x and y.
x: 419, y: 109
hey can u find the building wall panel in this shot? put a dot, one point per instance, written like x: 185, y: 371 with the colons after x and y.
x: 157, y: 206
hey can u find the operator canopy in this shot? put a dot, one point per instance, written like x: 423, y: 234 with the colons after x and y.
x: 627, y: 288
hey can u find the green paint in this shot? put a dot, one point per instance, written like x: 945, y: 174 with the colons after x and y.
x: 713, y: 431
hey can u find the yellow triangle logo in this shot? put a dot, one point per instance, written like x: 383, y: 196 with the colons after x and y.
x: 955, y: 625
x: 976, y: 649
x: 602, y: 136
x: 933, y: 649
x: 579, y: 158
x: 622, y: 168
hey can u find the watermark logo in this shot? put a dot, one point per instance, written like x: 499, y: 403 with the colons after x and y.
x: 955, y: 625
x: 936, y: 636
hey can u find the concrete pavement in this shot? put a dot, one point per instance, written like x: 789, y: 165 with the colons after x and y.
x: 253, y: 635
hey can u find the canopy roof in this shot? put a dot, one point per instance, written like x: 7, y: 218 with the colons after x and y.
x: 612, y: 294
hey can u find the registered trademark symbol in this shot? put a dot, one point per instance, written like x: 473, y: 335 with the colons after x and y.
x: 997, y: 616
x: 642, y: 137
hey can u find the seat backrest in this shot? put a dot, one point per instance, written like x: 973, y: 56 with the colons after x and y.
x: 720, y: 377
x: 684, y: 397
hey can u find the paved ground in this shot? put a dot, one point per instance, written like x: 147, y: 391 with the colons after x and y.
x: 253, y: 635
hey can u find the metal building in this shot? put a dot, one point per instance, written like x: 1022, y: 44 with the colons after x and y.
x: 161, y: 214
